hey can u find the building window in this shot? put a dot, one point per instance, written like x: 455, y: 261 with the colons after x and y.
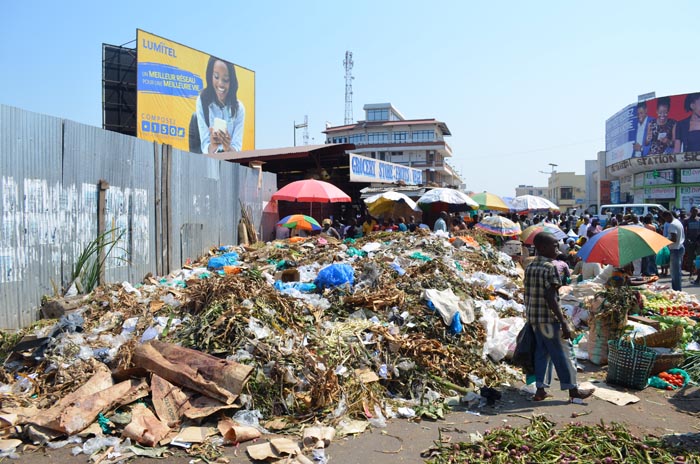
x: 423, y: 136
x: 566, y: 193
x: 400, y: 137
x: 378, y: 115
x: 357, y: 139
x: 340, y: 140
x: 377, y: 137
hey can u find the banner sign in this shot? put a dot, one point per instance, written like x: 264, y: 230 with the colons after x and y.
x: 689, y: 196
x: 660, y: 192
x: 363, y: 169
x: 192, y: 100
x: 689, y: 176
x: 649, y: 163
x: 659, y: 177
x: 659, y: 126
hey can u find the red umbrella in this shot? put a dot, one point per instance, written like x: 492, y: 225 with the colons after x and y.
x: 311, y: 190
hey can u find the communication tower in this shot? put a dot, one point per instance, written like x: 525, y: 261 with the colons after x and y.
x: 347, y: 62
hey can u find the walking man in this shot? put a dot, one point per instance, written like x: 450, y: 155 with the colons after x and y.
x: 543, y: 312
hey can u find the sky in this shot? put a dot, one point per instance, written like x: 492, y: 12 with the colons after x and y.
x: 520, y: 85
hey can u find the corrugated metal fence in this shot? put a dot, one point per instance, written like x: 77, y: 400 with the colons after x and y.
x: 170, y: 205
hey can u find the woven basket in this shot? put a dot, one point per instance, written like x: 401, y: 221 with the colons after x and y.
x: 668, y: 338
x: 629, y: 364
x: 664, y: 362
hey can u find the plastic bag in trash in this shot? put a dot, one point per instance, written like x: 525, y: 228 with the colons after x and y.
x: 456, y: 325
x: 306, y: 287
x: 335, y: 275
x: 227, y: 259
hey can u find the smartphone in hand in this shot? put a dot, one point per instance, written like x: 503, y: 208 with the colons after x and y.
x: 220, y: 125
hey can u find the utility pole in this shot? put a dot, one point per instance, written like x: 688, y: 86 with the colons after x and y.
x: 347, y: 62
x: 550, y: 191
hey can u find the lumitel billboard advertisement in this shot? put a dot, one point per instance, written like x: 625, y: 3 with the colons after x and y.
x: 661, y: 126
x: 191, y: 100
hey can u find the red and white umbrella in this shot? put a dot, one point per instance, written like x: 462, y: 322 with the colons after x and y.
x: 311, y: 190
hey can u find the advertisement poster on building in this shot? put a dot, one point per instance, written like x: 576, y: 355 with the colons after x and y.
x: 192, y: 100
x: 615, y: 191
x: 689, y: 176
x: 660, y: 126
x: 689, y: 196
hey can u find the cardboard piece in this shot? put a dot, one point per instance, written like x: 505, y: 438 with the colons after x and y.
x: 366, y: 375
x: 285, y: 446
x: 79, y: 409
x: 98, y: 382
x: 216, y: 378
x: 145, y: 428
x: 262, y: 452
x: 234, y: 433
x: 84, y: 412
x: 173, y: 404
x: 202, y: 406
x: 9, y: 445
x: 194, y: 434
x: 318, y: 436
x: 168, y: 401
x: 615, y: 397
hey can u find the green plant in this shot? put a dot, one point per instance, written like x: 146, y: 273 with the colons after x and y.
x: 90, y: 263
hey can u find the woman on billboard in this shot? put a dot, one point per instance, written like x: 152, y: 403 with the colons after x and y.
x: 688, y: 130
x: 220, y: 116
x: 661, y: 130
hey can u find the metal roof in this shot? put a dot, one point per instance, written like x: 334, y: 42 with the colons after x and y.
x: 269, y: 154
x: 370, y: 124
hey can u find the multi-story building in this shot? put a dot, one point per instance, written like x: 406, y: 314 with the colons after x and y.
x: 386, y: 135
x: 530, y: 190
x: 567, y: 189
x: 651, y: 154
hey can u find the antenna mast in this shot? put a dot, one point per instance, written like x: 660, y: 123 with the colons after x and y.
x: 305, y: 134
x: 347, y: 62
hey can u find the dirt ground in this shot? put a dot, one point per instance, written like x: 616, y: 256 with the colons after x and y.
x: 657, y: 413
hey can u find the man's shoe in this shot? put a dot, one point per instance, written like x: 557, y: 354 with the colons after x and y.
x: 577, y: 393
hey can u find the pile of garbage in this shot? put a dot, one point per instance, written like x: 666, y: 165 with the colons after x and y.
x: 315, y: 338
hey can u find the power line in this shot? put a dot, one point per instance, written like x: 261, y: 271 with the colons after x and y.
x: 535, y: 150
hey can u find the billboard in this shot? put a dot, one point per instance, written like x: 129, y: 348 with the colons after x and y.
x: 191, y: 100
x: 660, y: 126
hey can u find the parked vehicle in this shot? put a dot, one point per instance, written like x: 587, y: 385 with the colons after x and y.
x: 639, y: 209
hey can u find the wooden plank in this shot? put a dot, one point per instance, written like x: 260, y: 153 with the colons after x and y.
x: 102, y: 187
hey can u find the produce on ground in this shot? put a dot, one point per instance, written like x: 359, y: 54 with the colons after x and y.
x: 542, y: 442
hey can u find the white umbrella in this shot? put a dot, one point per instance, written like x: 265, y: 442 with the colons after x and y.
x: 387, y: 200
x: 447, y: 195
x: 533, y: 203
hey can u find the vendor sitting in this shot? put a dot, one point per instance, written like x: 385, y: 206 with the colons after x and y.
x: 621, y: 276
